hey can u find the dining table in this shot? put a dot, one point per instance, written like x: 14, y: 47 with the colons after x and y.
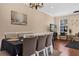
x: 12, y: 47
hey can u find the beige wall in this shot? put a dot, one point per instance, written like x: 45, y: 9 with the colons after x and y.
x: 36, y: 21
x: 57, y: 22
x: 73, y: 23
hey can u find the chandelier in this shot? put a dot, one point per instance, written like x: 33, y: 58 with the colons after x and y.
x: 36, y: 5
x: 76, y: 11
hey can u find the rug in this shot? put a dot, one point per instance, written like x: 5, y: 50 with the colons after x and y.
x: 4, y: 53
x: 73, y: 44
x: 56, y: 53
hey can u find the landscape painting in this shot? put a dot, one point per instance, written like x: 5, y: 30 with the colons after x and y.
x: 18, y: 18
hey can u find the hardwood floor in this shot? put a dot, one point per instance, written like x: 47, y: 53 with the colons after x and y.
x: 65, y: 51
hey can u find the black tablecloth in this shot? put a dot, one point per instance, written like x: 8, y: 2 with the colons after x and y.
x: 12, y: 47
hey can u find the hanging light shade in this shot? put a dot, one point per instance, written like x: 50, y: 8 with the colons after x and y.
x: 76, y: 11
x: 36, y: 5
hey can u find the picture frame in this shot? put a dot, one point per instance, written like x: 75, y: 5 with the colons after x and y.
x: 18, y: 18
x: 53, y: 27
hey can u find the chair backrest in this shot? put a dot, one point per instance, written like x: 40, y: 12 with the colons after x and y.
x: 11, y: 35
x: 41, y: 42
x: 29, y: 45
x: 21, y: 35
x: 49, y: 40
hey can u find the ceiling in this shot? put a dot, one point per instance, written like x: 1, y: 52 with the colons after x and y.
x: 59, y: 9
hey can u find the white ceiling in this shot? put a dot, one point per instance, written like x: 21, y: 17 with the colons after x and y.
x: 59, y: 9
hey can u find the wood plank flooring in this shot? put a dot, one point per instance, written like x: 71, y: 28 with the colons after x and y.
x: 65, y: 51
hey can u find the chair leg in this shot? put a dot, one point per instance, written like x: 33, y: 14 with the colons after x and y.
x: 33, y: 55
x: 47, y: 51
x: 53, y: 43
x: 51, y: 48
x: 38, y: 53
x: 44, y: 52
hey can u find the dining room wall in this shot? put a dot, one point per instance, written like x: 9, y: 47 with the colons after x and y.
x: 73, y: 23
x: 36, y: 21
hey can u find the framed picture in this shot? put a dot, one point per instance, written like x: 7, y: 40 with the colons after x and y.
x: 53, y: 27
x: 18, y: 18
